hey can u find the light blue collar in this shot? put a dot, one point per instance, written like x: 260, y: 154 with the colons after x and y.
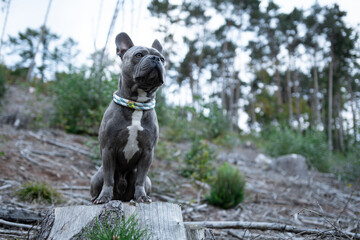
x: 134, y: 105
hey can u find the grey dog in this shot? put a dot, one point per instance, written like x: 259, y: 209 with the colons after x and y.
x: 128, y: 136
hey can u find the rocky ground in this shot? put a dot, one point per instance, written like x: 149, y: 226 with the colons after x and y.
x: 307, y: 199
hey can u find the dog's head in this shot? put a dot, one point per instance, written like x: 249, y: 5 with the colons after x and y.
x: 142, y: 67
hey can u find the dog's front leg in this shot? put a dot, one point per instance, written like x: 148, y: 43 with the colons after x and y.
x: 142, y: 170
x: 108, y: 173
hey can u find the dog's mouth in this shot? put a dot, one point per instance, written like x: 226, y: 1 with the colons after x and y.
x: 150, y: 78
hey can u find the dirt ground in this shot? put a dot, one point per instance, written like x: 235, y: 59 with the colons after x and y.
x: 67, y: 162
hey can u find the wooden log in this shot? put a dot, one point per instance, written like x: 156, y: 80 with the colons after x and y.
x: 263, y: 226
x: 163, y: 220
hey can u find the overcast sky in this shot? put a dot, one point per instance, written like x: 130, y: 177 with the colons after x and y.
x: 89, y: 20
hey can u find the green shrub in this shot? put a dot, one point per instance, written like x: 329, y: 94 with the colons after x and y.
x: 227, y: 190
x: 199, y: 162
x: 39, y: 192
x: 312, y: 145
x: 117, y: 229
x: 80, y: 101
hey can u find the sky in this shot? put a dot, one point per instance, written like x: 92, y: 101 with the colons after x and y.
x: 87, y: 21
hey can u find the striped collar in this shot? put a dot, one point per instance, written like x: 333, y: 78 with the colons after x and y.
x: 134, y: 105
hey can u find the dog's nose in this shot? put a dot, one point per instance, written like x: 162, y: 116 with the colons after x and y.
x: 155, y: 58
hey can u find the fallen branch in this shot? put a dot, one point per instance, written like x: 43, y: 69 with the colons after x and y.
x: 63, y: 145
x: 18, y: 225
x: 20, y: 215
x: 263, y: 226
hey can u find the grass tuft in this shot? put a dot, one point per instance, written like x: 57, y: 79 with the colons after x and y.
x: 117, y: 229
x: 38, y: 192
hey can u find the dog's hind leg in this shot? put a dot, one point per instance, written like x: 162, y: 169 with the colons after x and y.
x: 96, y: 184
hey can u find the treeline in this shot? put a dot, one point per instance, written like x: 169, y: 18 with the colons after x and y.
x: 303, y: 70
x: 299, y: 86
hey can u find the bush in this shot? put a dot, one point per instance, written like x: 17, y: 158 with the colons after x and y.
x: 227, y: 191
x: 117, y: 229
x: 312, y: 145
x: 39, y: 192
x: 199, y: 161
x: 81, y: 101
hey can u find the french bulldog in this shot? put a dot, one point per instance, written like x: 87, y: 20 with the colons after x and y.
x: 128, y: 136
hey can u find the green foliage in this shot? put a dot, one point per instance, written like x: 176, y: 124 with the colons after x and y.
x: 312, y: 145
x: 185, y: 123
x: 114, y: 228
x: 39, y: 192
x: 165, y: 151
x: 227, y: 190
x: 215, y: 123
x: 347, y: 166
x: 3, y: 80
x: 228, y: 140
x: 199, y: 161
x: 80, y: 101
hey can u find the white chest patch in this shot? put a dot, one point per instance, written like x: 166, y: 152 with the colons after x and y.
x: 132, y: 145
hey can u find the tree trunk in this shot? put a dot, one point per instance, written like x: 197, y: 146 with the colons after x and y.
x: 278, y: 84
x: 316, y: 93
x: 4, y: 26
x: 223, y: 77
x: 330, y: 100
x: 288, y: 93
x: 297, y: 101
x: 340, y: 123
x: 32, y: 65
x: 353, y: 110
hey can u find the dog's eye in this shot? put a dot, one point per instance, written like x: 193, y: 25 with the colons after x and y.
x: 162, y: 59
x: 139, y: 55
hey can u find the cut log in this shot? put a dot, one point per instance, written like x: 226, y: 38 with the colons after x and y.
x: 163, y: 220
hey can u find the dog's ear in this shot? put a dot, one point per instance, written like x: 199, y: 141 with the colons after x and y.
x: 157, y: 45
x: 123, y: 43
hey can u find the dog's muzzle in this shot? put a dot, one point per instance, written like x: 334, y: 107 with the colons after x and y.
x: 150, y: 72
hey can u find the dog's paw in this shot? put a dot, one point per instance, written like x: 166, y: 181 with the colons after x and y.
x: 104, y: 197
x: 144, y: 199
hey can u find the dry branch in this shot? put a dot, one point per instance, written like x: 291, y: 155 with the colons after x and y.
x: 62, y: 145
x: 18, y: 225
x: 263, y: 226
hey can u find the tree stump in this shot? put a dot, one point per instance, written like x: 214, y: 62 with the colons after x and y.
x: 163, y: 220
